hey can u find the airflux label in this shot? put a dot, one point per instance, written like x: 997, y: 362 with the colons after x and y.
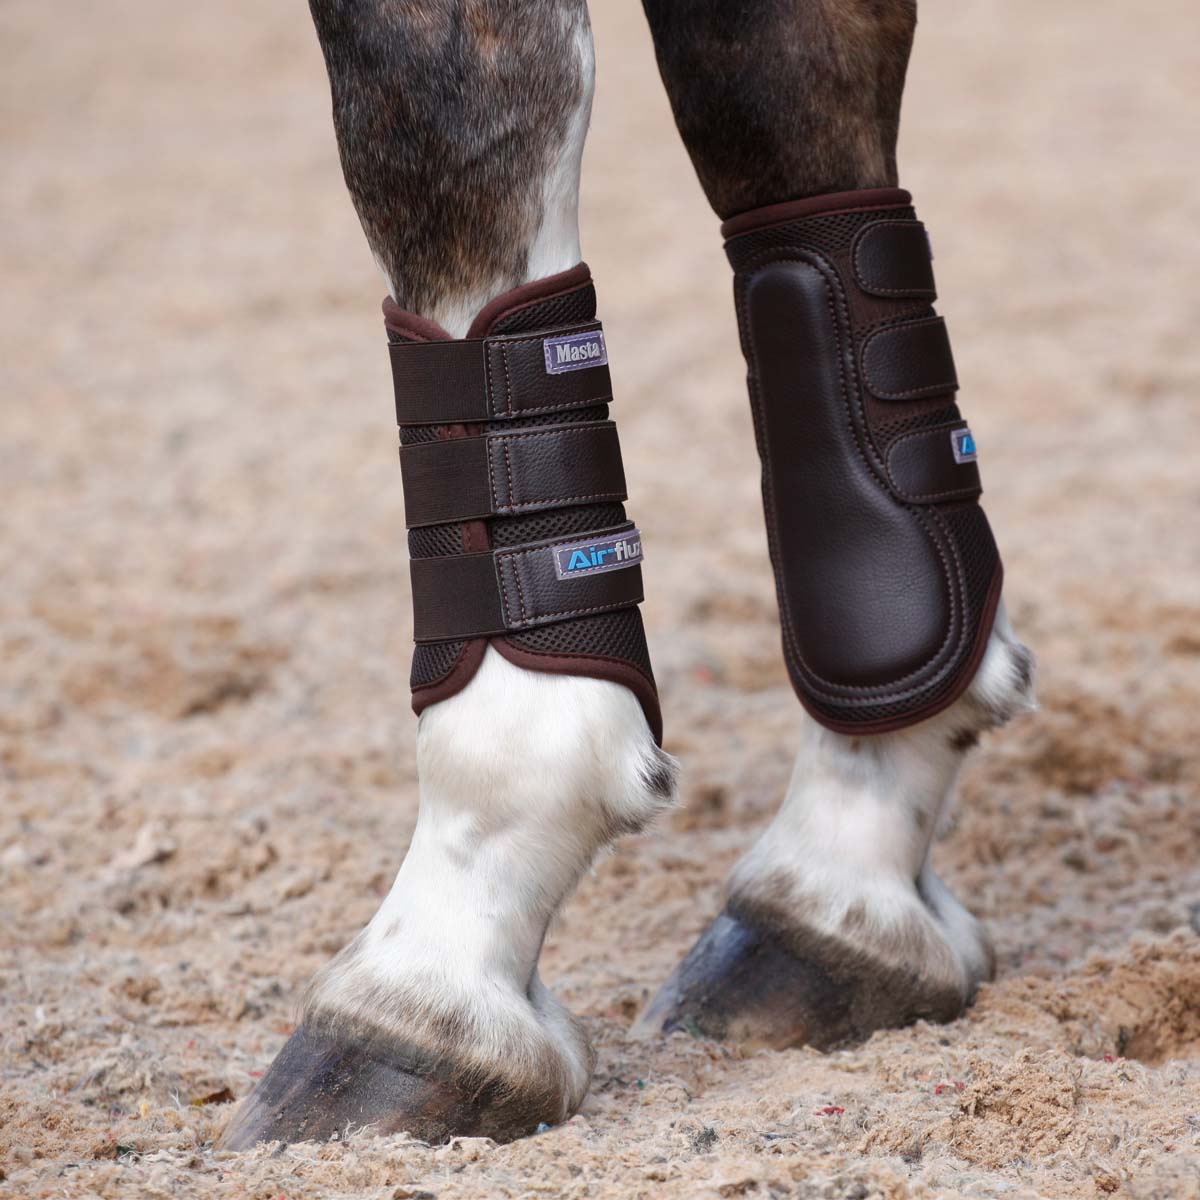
x: 575, y: 352
x: 963, y: 441
x: 603, y: 554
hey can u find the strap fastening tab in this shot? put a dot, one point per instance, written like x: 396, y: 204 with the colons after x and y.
x: 910, y: 361
x: 489, y: 379
x: 892, y: 259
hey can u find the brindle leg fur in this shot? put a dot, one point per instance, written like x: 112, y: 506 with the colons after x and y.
x: 452, y: 116
x: 778, y: 99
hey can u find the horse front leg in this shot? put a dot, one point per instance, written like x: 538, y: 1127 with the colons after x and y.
x: 887, y: 575
x: 460, y: 125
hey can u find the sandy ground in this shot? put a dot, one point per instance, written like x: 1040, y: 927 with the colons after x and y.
x: 206, y: 752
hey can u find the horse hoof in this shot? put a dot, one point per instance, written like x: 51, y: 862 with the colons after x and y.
x: 325, y: 1084
x: 747, y: 981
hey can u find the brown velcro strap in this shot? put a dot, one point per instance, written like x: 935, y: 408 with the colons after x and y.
x: 519, y: 587
x: 934, y: 466
x: 909, y: 361
x: 487, y: 379
x: 504, y: 474
x: 891, y: 258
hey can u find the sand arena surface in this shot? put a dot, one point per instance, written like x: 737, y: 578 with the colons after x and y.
x: 206, y: 752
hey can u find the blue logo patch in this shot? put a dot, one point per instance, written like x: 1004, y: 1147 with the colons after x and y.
x: 575, y: 352
x: 604, y: 554
x: 963, y: 441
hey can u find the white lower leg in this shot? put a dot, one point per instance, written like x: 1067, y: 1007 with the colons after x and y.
x: 846, y: 856
x: 524, y: 778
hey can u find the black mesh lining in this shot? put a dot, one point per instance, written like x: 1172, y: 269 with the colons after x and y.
x: 433, y: 541
x: 557, y: 522
x: 412, y: 435
x: 432, y: 661
x: 572, y: 308
x: 832, y: 234
x: 598, y: 412
x: 886, y: 432
x: 976, y: 547
x: 612, y: 635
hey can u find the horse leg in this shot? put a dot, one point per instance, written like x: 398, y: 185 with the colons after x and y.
x: 834, y: 923
x: 460, y: 125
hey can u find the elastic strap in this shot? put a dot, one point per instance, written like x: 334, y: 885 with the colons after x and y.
x: 487, y: 379
x: 508, y: 473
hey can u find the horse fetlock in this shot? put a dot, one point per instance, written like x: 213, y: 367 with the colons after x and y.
x: 526, y: 761
x: 1002, y: 687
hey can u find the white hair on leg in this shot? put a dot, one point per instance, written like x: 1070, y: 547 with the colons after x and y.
x: 556, y: 245
x: 524, y: 776
x: 963, y: 932
x: 846, y: 857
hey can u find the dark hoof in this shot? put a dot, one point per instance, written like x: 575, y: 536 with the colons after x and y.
x: 324, y: 1084
x: 744, y: 982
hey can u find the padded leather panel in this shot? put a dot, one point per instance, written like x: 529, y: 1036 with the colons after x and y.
x: 909, y: 361
x: 891, y: 258
x: 532, y: 594
x: 863, y: 591
x: 519, y: 384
